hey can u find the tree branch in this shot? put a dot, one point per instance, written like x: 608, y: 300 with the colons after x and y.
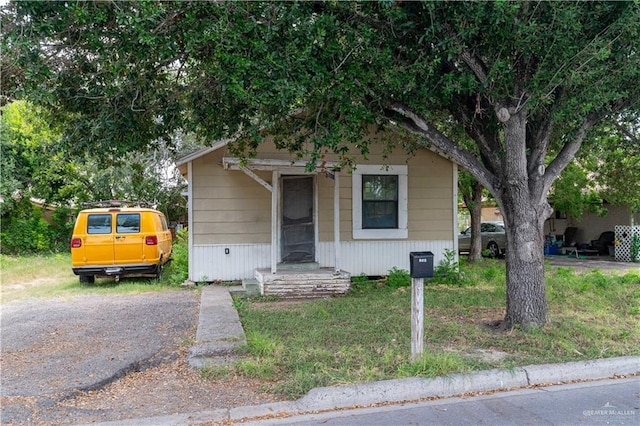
x: 539, y: 145
x: 627, y: 133
x: 443, y: 145
x: 568, y: 151
x: 476, y: 65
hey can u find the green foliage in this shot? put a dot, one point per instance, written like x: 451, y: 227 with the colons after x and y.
x: 574, y: 193
x: 30, y: 160
x: 262, y: 345
x: 611, y: 156
x: 362, y: 282
x: 36, y: 163
x: 239, y: 73
x: 448, y: 270
x: 62, y: 221
x: 177, y: 271
x: 635, y: 248
x: 398, y: 278
x: 27, y: 232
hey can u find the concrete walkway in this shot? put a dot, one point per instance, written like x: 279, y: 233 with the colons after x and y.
x: 220, y: 336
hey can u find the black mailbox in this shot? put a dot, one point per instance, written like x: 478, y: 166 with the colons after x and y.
x: 421, y: 264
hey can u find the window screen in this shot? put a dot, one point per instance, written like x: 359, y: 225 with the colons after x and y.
x: 128, y: 223
x: 99, y: 224
x: 379, y: 201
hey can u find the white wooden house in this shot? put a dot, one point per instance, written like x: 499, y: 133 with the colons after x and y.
x: 301, y: 233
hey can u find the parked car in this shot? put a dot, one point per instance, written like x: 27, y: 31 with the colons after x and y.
x: 118, y: 241
x: 494, y: 239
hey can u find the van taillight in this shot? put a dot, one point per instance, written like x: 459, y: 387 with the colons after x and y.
x: 151, y: 240
x: 76, y: 242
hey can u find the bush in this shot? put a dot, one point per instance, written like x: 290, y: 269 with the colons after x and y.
x: 177, y: 271
x: 62, y: 222
x: 448, y: 270
x: 398, y: 278
x: 26, y: 232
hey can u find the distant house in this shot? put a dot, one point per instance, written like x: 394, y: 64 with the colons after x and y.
x: 590, y: 225
x: 300, y: 233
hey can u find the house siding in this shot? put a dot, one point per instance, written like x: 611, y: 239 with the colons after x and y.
x: 230, y: 210
x: 228, y: 207
x: 358, y: 257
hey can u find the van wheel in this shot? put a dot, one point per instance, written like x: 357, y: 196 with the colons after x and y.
x: 159, y: 272
x: 87, y: 279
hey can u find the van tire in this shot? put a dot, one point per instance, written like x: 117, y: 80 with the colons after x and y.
x: 158, y: 272
x: 87, y: 279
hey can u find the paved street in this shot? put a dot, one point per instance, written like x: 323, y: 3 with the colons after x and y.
x: 610, y: 402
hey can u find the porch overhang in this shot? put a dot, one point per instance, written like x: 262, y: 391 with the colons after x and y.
x: 278, y: 167
x: 266, y: 164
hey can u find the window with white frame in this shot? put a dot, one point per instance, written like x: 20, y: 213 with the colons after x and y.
x: 379, y: 202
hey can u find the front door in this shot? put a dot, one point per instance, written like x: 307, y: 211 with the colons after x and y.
x: 298, y: 229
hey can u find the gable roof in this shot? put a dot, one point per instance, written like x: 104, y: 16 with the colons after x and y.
x: 202, y: 151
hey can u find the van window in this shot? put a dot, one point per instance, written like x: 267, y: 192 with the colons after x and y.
x: 164, y: 223
x: 128, y: 223
x: 99, y: 224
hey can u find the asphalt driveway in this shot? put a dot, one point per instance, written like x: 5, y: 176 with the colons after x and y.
x: 52, y: 349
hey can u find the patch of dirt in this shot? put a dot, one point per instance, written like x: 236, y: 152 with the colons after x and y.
x: 167, y: 389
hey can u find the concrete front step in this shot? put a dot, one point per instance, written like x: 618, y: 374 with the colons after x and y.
x: 303, y: 283
x: 251, y: 287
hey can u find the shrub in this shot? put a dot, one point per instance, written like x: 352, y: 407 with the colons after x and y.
x: 448, y: 270
x: 27, y: 233
x: 62, y: 222
x: 177, y: 271
x: 398, y: 278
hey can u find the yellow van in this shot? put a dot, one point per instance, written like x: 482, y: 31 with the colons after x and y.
x: 117, y: 241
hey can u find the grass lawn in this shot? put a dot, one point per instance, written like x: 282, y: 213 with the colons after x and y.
x: 295, y: 346
x: 49, y: 276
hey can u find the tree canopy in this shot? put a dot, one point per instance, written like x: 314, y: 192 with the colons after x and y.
x: 526, y: 80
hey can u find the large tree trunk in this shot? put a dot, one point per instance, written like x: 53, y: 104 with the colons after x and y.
x: 525, y: 210
x: 526, y: 300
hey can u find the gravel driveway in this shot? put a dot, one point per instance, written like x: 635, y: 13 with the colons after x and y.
x: 102, y: 357
x: 53, y: 349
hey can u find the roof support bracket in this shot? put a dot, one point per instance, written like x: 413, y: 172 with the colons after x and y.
x: 257, y: 178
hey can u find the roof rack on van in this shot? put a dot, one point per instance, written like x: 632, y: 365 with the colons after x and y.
x: 115, y: 203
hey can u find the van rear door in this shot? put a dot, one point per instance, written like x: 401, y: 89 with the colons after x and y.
x: 129, y: 240
x: 98, y: 245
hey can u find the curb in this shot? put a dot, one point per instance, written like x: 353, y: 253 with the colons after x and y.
x: 406, y: 390
x: 401, y: 390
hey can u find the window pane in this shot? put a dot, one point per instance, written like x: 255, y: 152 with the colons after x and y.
x: 379, y: 214
x: 379, y: 201
x: 380, y: 187
x: 128, y: 223
x: 99, y: 224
